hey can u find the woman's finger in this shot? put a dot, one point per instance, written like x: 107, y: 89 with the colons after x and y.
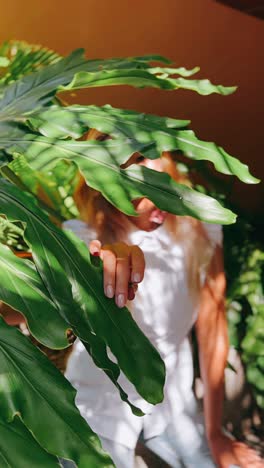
x: 132, y: 289
x: 95, y: 247
x: 131, y: 292
x: 109, y: 266
x: 122, y: 279
x: 137, y: 264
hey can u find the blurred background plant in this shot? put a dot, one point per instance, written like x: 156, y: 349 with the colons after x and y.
x: 244, y: 267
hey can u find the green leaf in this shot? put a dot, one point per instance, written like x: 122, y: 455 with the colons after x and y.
x: 100, y: 164
x: 142, y: 78
x: 162, y: 132
x: 23, y: 58
x: 98, y: 351
x: 173, y: 71
x: 32, y: 387
x: 73, y: 121
x: 11, y: 234
x: 4, y: 62
x: 27, y: 451
x: 22, y: 288
x: 141, y: 59
x: 38, y: 89
x: 256, y: 377
x: 55, y: 188
x: 63, y: 262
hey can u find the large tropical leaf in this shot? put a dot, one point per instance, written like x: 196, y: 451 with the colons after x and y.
x: 37, y: 89
x: 100, y: 164
x: 141, y: 79
x: 163, y: 132
x: 27, y: 451
x: 32, y: 387
x: 22, y: 288
x: 75, y: 286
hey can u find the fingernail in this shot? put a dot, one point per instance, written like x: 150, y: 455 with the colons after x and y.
x: 109, y: 291
x: 131, y: 294
x: 121, y: 300
x: 96, y: 253
x: 136, y: 277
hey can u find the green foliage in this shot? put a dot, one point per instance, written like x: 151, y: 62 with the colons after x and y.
x: 75, y: 72
x: 59, y: 289
x: 98, y: 162
x: 157, y: 134
x: 244, y: 260
x: 27, y: 451
x: 11, y: 234
x: 18, y: 59
x: 32, y: 387
x: 76, y: 291
x: 20, y: 283
x: 53, y: 188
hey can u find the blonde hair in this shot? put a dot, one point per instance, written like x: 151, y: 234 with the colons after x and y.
x: 112, y: 225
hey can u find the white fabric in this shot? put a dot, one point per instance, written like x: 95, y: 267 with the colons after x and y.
x: 164, y: 311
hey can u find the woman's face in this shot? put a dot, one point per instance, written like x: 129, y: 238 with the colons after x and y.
x: 149, y: 217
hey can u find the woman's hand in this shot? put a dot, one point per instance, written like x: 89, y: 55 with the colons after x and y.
x: 123, y: 266
x: 227, y: 452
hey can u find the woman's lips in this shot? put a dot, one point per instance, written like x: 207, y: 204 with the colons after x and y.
x: 158, y: 216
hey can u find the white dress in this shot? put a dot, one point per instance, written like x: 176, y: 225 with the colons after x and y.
x: 164, y: 311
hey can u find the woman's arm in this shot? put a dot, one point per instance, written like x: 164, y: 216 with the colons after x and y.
x: 211, y: 330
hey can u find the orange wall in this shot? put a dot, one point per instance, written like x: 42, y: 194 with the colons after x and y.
x: 226, y: 44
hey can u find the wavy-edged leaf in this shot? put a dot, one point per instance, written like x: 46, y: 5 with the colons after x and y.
x: 173, y: 71
x: 98, y: 351
x: 143, y: 78
x: 32, y: 387
x: 27, y: 451
x: 73, y: 121
x: 165, y: 133
x: 75, y: 286
x: 100, y: 164
x: 141, y: 59
x: 21, y: 287
x: 37, y: 89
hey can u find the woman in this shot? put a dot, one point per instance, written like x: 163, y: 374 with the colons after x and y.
x: 184, y: 283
